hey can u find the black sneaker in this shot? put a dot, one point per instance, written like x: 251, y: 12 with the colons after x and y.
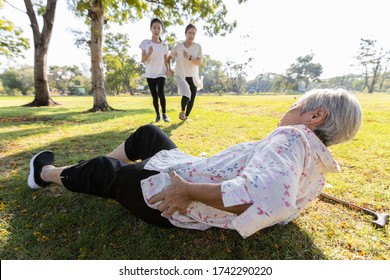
x: 158, y: 118
x: 37, y: 162
x: 166, y: 118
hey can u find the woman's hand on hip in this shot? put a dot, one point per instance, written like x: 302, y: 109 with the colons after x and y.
x: 175, y: 197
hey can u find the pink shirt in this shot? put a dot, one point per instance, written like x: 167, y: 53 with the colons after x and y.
x: 279, y: 175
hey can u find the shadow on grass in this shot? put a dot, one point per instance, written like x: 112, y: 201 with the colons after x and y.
x: 169, y: 129
x: 10, y: 116
x: 53, y: 223
x: 10, y: 135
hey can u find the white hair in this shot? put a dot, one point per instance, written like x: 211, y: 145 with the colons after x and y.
x: 344, y: 114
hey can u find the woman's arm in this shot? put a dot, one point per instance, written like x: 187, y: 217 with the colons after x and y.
x: 179, y: 195
x: 167, y: 66
x: 145, y: 56
x: 195, y: 60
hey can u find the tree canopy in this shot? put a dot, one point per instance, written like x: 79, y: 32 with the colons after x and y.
x: 304, y: 70
x: 170, y: 12
x: 12, y: 43
x: 374, y: 60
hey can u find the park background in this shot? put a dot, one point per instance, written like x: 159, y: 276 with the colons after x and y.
x: 251, y: 76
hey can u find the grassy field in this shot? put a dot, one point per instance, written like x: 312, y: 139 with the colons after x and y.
x: 53, y: 223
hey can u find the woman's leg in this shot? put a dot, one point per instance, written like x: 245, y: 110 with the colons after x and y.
x: 152, y: 83
x: 184, y: 102
x: 193, y: 90
x: 109, y: 178
x: 161, y: 95
x: 119, y: 153
x: 145, y: 142
x: 52, y: 174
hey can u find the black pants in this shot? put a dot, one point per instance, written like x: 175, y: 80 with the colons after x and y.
x: 185, y: 101
x: 156, y: 87
x: 110, y: 178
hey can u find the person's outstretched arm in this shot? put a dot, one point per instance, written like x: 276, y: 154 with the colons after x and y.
x: 179, y: 195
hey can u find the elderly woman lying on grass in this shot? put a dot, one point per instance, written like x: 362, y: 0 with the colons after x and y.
x: 246, y: 187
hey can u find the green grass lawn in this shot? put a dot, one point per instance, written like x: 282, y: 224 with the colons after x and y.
x: 53, y: 223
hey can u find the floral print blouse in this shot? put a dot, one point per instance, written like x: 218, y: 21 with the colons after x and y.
x: 279, y: 175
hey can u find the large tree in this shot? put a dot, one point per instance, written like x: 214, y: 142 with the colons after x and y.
x: 41, y: 45
x: 304, y: 70
x: 171, y: 12
x: 373, y: 59
x: 237, y: 73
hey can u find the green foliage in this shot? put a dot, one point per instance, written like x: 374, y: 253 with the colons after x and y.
x: 214, y: 76
x: 374, y: 61
x: 12, y: 44
x: 236, y: 73
x: 63, y: 77
x: 264, y: 82
x: 53, y: 223
x: 171, y: 12
x: 18, y: 80
x: 304, y: 70
x: 351, y: 82
x: 123, y: 71
x: 82, y: 39
x: 40, y: 7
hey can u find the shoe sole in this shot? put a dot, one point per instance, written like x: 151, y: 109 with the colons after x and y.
x: 31, y: 181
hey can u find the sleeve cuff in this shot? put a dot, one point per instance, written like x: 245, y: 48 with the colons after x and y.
x: 234, y: 192
x: 249, y: 222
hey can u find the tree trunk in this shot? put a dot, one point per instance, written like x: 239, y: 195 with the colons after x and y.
x: 127, y: 84
x: 96, y: 14
x: 375, y: 75
x: 365, y: 77
x: 259, y: 83
x: 41, y: 45
x: 384, y: 75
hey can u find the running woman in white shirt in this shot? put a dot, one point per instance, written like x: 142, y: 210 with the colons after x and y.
x: 154, y: 55
x: 188, y: 59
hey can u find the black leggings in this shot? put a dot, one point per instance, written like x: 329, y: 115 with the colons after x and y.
x: 110, y: 178
x: 185, y: 101
x: 156, y: 87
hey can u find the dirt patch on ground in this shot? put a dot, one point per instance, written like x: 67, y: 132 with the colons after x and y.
x: 24, y: 119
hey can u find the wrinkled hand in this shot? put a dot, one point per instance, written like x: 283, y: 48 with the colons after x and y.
x: 174, y: 198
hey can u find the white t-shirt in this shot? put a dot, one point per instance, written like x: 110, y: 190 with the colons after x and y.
x: 155, y: 65
x: 185, y: 68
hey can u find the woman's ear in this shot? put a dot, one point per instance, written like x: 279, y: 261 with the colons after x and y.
x: 318, y: 117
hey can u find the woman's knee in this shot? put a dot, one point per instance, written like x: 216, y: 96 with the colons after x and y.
x: 148, y: 129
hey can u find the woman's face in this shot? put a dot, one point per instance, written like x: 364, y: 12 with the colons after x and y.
x: 294, y: 116
x: 156, y: 29
x: 190, y: 34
